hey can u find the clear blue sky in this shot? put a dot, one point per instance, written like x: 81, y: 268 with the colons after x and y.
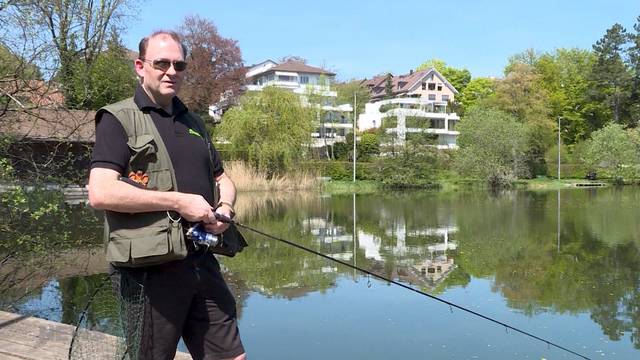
x: 359, y: 39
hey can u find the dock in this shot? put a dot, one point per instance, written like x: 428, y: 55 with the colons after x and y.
x: 28, y: 338
x: 589, y: 184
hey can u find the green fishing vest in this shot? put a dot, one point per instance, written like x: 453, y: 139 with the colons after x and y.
x: 148, y: 238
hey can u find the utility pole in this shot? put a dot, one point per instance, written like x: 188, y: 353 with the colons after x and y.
x: 355, y: 114
x: 558, y: 147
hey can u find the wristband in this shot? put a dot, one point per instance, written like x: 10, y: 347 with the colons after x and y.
x: 233, y: 212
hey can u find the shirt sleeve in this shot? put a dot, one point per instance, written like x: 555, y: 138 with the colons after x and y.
x: 110, y: 150
x: 217, y: 163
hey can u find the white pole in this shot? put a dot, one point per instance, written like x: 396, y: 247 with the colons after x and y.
x: 355, y: 114
x: 558, y: 147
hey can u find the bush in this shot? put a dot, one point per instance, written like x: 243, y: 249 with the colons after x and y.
x: 369, y: 146
x: 492, y: 147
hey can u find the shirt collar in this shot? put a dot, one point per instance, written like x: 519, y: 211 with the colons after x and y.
x: 143, y: 102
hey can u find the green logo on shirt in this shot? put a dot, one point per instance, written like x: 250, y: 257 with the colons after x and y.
x: 193, y: 132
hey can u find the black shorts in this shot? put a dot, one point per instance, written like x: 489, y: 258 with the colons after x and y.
x: 189, y: 299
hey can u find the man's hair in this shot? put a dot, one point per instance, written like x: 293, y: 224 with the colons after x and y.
x: 142, y: 46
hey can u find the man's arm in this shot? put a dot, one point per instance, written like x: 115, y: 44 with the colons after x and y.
x: 227, y: 192
x: 106, y: 192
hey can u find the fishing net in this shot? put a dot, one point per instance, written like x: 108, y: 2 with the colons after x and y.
x: 111, y: 325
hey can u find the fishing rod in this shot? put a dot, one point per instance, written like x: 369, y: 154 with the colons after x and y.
x: 228, y: 220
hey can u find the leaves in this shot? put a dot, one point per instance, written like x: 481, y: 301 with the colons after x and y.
x: 216, y: 71
x: 269, y: 129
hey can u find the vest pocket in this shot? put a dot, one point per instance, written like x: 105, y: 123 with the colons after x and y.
x: 160, y: 179
x: 144, y: 239
x: 143, y: 152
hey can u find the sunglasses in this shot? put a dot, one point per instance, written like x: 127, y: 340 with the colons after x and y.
x: 165, y: 64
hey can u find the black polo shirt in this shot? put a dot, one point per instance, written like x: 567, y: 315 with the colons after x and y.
x: 188, y: 152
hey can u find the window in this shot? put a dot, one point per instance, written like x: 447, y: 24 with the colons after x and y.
x: 432, y: 86
x: 437, y: 123
x: 286, y: 78
x: 445, y: 97
x: 439, y: 87
x: 432, y: 96
x: 424, y: 85
x: 304, y: 79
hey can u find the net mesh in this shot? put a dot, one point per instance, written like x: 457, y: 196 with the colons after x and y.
x: 112, y: 323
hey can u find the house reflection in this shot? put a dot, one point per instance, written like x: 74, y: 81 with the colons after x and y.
x: 420, y: 255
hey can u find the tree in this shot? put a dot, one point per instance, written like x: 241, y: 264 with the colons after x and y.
x: 347, y: 90
x: 216, y: 71
x: 528, y: 57
x: 634, y: 63
x: 564, y: 75
x: 492, y: 146
x: 520, y: 94
x: 612, y: 152
x: 476, y: 91
x: 610, y: 77
x: 369, y: 146
x: 71, y: 30
x: 388, y: 86
x: 270, y: 129
x: 108, y: 79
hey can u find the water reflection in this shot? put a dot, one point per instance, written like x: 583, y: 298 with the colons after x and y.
x: 563, y: 256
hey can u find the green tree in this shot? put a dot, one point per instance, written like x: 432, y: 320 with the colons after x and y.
x: 634, y: 63
x: 528, y: 57
x: 388, y: 86
x: 369, y: 146
x: 612, y: 152
x: 412, y: 165
x: 492, y: 146
x: 477, y: 90
x: 108, y: 79
x: 564, y: 75
x: 610, y: 77
x: 71, y: 31
x: 270, y: 129
x: 521, y: 94
x: 347, y: 90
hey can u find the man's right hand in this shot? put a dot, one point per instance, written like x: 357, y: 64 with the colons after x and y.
x: 194, y: 208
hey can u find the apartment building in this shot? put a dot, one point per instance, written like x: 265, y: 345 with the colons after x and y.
x: 334, y: 121
x: 418, y: 102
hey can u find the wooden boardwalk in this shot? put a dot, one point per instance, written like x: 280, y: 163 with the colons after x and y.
x: 28, y: 338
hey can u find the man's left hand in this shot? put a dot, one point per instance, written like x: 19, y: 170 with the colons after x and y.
x: 214, y: 225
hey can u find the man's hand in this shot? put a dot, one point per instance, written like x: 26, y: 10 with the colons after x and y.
x: 195, y: 208
x: 215, y: 226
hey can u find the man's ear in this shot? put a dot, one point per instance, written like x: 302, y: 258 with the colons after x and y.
x: 139, y: 66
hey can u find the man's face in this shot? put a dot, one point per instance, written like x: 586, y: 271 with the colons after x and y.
x: 161, y: 85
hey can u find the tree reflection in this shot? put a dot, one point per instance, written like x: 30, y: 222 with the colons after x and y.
x: 510, y: 237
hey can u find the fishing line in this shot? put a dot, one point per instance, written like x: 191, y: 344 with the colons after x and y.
x: 452, y: 305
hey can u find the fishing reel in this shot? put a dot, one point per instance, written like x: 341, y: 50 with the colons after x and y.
x: 202, y: 238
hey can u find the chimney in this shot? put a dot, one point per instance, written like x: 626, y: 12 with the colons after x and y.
x: 411, y: 72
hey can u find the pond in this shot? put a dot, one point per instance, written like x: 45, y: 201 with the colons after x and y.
x: 561, y: 265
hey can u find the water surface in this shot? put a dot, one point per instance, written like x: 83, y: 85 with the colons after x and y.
x: 563, y: 265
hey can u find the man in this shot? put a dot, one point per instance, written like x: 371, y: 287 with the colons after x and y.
x: 185, y: 294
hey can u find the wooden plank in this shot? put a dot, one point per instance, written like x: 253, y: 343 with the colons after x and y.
x: 28, y: 338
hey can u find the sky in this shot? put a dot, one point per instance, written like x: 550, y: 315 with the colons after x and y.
x: 359, y: 39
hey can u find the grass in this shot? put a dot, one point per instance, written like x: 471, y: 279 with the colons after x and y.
x: 347, y: 186
x: 248, y: 179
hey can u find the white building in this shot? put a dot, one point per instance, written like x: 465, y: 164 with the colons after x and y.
x: 418, y: 104
x: 303, y: 80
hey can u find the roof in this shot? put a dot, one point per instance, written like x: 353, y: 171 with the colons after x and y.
x: 404, y: 83
x: 34, y: 92
x: 49, y: 124
x: 296, y: 66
